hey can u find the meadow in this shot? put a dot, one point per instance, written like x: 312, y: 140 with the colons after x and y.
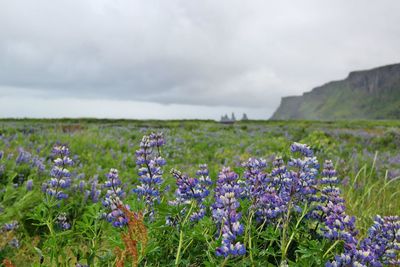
x: 96, y: 193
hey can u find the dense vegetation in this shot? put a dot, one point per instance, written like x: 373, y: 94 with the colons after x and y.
x: 77, y: 192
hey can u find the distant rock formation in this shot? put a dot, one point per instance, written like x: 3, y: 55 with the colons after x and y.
x: 225, y: 118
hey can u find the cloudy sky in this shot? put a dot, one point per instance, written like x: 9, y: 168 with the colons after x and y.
x: 183, y: 59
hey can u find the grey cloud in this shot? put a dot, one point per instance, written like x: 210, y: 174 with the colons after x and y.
x: 230, y: 53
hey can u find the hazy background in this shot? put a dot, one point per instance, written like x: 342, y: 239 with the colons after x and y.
x: 182, y: 59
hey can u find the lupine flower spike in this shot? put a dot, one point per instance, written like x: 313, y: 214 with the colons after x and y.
x: 61, y: 177
x: 150, y: 162
x: 225, y: 213
x: 192, y: 190
x: 113, y: 200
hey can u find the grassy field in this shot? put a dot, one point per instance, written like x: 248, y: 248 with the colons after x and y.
x: 366, y: 156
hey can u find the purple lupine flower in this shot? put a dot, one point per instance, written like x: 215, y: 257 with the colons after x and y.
x: 63, y: 222
x: 1, y: 154
x: 192, y: 189
x: 23, y: 156
x: 9, y: 226
x: 224, y: 211
x: 270, y: 194
x: 302, y: 148
x: 265, y: 200
x: 186, y: 188
x: 94, y: 191
x: 204, y: 189
x: 61, y: 177
x: 302, y: 180
x: 337, y: 225
x: 113, y: 200
x: 256, y: 178
x: 295, y: 184
x: 150, y: 162
x: 383, y: 241
x: 380, y: 248
x: 14, y: 243
x: 29, y: 185
x: 38, y: 163
x: 202, y: 174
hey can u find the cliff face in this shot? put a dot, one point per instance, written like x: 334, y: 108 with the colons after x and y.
x: 369, y: 94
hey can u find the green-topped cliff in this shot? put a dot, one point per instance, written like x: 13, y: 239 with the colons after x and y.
x: 368, y: 94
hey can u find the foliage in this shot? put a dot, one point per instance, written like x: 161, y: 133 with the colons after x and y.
x: 61, y: 205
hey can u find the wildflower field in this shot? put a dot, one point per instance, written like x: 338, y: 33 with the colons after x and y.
x: 199, y: 193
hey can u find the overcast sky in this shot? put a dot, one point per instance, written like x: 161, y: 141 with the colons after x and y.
x: 183, y: 59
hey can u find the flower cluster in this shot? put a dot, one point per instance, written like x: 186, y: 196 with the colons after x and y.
x: 9, y: 226
x: 7, y: 235
x: 94, y: 193
x: 150, y: 162
x: 29, y: 185
x: 204, y: 190
x: 61, y: 177
x: 265, y: 200
x: 192, y: 190
x: 302, y: 148
x: 330, y: 211
x: 300, y: 182
x: 380, y: 248
x: 23, y: 156
x: 383, y: 241
x: 62, y: 221
x: 286, y: 187
x: 113, y: 200
x: 224, y: 211
x: 289, y: 198
x: 38, y: 164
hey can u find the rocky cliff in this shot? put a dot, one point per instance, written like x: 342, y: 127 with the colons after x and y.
x: 368, y: 94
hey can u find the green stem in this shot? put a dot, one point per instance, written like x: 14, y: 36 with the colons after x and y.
x: 178, y: 253
x: 284, y: 231
x: 294, y: 232
x: 224, y: 262
x: 331, y: 248
x: 249, y: 235
x: 276, y: 229
x: 52, y: 238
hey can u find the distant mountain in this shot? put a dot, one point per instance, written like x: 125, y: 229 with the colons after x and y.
x: 368, y: 94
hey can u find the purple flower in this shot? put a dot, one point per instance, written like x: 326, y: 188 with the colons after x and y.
x: 336, y: 224
x: 94, y: 191
x: 9, y: 226
x: 113, y: 200
x: 14, y: 243
x: 304, y: 149
x: 23, y: 156
x: 192, y: 189
x: 266, y: 203
x: 224, y: 211
x: 61, y: 177
x: 150, y: 162
x: 62, y: 221
x: 38, y: 163
x: 29, y: 185
x: 383, y: 241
